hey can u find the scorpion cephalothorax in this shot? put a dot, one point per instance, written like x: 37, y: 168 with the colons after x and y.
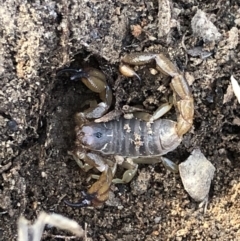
x: 127, y: 142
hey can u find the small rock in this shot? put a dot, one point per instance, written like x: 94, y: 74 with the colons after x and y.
x: 12, y: 125
x: 196, y: 174
x: 204, y: 28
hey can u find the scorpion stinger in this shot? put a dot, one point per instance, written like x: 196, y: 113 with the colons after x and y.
x: 128, y: 71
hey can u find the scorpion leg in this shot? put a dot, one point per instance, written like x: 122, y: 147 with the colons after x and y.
x: 78, y: 157
x: 161, y: 110
x: 169, y: 165
x: 132, y: 166
x: 129, y: 174
x: 95, y: 80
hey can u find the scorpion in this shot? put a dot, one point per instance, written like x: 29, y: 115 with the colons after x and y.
x: 128, y: 142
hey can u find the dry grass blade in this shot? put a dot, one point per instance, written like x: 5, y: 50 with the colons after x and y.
x: 28, y: 232
x: 236, y: 88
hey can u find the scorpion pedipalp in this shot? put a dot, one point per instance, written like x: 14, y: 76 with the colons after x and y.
x: 98, y: 192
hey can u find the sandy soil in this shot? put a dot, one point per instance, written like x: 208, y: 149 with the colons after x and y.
x: 37, y: 114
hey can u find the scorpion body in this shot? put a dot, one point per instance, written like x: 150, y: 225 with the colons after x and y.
x: 130, y: 138
x: 104, y: 145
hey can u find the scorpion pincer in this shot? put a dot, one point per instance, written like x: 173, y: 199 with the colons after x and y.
x: 127, y: 141
x: 95, y: 80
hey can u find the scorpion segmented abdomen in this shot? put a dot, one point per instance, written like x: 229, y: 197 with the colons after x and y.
x: 133, y: 138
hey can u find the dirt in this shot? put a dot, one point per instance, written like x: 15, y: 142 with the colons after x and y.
x: 37, y: 114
